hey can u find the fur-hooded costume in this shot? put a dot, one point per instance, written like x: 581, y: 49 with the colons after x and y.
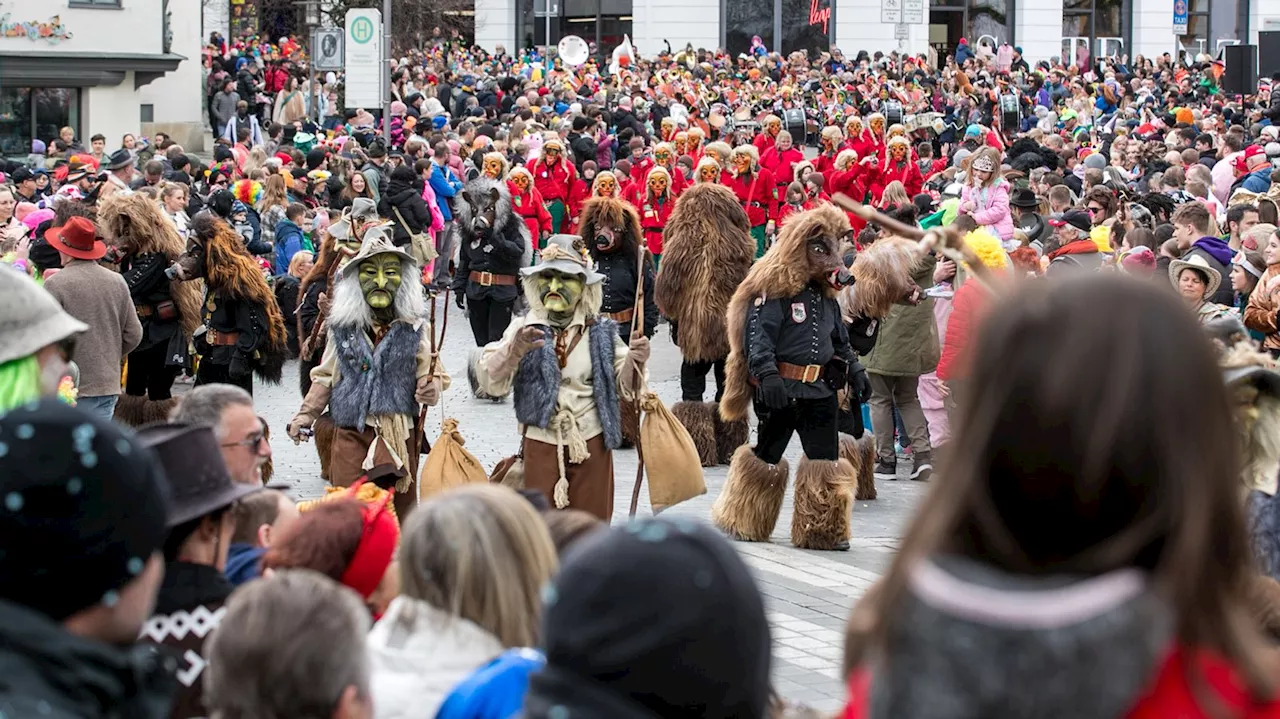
x: 784, y: 271
x: 707, y: 251
x: 612, y: 213
x: 139, y: 227
x: 230, y: 271
x: 505, y: 220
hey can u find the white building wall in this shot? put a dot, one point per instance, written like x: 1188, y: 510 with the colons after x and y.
x: 178, y: 97
x: 496, y: 24
x: 1153, y: 28
x: 215, y: 17
x: 1038, y: 29
x: 112, y: 30
x: 677, y: 21
x: 858, y: 27
x: 112, y: 111
x: 1260, y: 12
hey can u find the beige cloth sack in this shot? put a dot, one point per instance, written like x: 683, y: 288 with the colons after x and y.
x: 670, y: 457
x: 448, y: 464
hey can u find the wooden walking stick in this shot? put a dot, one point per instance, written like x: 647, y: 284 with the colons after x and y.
x: 638, y: 328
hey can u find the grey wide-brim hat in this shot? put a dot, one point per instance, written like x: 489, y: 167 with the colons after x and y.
x: 30, y: 318
x: 377, y: 241
x: 362, y: 209
x: 561, y: 255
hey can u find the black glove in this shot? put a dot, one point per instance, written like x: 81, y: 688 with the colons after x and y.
x: 460, y: 299
x: 239, y: 368
x: 859, y: 383
x: 772, y: 392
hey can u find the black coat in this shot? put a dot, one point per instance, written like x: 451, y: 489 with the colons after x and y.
x: 583, y: 148
x: 619, y: 290
x: 625, y: 119
x: 500, y: 252
x: 286, y: 291
x: 234, y: 315
x: 806, y: 329
x: 47, y: 672
x: 407, y: 200
x: 148, y: 286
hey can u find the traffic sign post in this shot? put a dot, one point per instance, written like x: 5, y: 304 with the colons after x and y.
x: 1179, y: 17
x: 326, y: 48
x: 362, y: 58
x: 891, y: 11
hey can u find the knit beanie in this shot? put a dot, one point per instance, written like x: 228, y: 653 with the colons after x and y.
x: 697, y: 648
x: 84, y: 508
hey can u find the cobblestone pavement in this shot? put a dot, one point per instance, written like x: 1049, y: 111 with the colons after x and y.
x: 808, y: 593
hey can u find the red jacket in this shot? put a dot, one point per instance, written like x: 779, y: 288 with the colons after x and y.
x: 654, y: 215
x: 825, y: 163
x: 756, y: 195
x: 763, y: 143
x: 1168, y: 696
x: 532, y: 210
x: 554, y: 182
x: 640, y: 168
x: 861, y: 144
x: 783, y: 167
x: 786, y: 209
x: 968, y: 308
x: 906, y: 172
x: 580, y: 193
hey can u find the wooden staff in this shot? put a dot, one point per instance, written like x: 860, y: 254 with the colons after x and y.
x: 435, y: 344
x: 638, y: 329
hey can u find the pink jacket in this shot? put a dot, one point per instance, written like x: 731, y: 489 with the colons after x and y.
x: 991, y: 208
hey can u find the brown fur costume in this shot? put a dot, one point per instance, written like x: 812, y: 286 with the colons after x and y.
x: 697, y: 419
x: 824, y: 503
x: 861, y: 455
x: 706, y: 252
x: 751, y: 517
x: 231, y: 270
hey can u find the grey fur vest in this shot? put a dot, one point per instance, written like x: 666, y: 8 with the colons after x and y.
x: 374, y: 380
x: 537, y: 382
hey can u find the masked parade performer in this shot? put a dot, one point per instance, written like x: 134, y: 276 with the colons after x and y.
x: 242, y: 329
x: 376, y: 371
x: 528, y: 204
x: 554, y: 176
x: 145, y: 243
x: 569, y: 368
x: 606, y: 185
x: 495, y: 245
x: 754, y: 187
x: 830, y: 141
x: 664, y: 156
x: 494, y: 166
x: 765, y: 141
x: 899, y: 168
x: 709, y: 252
x: 855, y: 137
x: 695, y: 148
x: 875, y: 136
x: 791, y: 355
x: 656, y: 203
x: 708, y: 171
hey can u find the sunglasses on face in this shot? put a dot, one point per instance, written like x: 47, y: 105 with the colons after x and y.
x: 254, y: 440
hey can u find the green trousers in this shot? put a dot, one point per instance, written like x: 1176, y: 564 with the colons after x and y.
x: 556, y: 208
x: 758, y: 233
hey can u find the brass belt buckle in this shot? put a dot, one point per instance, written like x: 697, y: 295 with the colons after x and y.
x: 813, y: 369
x: 486, y: 278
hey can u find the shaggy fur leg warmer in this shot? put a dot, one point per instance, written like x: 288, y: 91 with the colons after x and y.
x: 823, y: 504
x: 729, y: 435
x: 861, y: 454
x: 748, y: 506
x: 324, y: 429
x: 698, y: 419
x: 134, y: 411
x: 630, y: 412
x: 474, y: 381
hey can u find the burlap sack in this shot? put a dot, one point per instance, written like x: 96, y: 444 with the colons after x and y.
x: 670, y: 458
x: 448, y: 465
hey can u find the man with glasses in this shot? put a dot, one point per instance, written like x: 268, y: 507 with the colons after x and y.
x: 241, y: 433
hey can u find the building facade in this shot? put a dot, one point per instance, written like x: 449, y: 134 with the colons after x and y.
x: 113, y: 67
x: 1044, y: 29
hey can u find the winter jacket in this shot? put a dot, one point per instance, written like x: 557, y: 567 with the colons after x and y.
x: 755, y: 193
x: 533, y: 211
x: 446, y: 185
x: 224, y: 107
x: 407, y: 200
x: 908, y: 342
x: 554, y: 181
x: 48, y: 672
x: 1218, y: 254
x: 1074, y: 256
x: 496, y: 690
x: 419, y: 653
x: 968, y: 307
x: 618, y: 290
x: 805, y: 329
x: 233, y: 127
x: 376, y: 177
x: 188, y: 610
x: 582, y: 147
x: 991, y: 207
x: 285, y: 288
x: 99, y: 298
x: 288, y: 243
x: 1260, y: 313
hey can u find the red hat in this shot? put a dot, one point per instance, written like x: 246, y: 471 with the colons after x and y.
x: 378, y: 540
x: 78, y: 239
x: 1242, y: 162
x: 284, y: 157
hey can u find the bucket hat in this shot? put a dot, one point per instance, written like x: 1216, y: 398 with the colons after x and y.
x: 561, y: 255
x: 30, y: 318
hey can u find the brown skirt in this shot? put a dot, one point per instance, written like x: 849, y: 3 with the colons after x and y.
x: 349, y: 450
x: 590, y: 483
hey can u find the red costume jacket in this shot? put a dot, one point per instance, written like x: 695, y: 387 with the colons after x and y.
x: 861, y: 145
x: 756, y: 195
x: 825, y: 163
x: 654, y: 214
x: 640, y: 168
x: 906, y: 172
x: 786, y: 209
x: 782, y: 165
x: 580, y: 193
x: 554, y: 181
x: 532, y: 210
x: 763, y: 143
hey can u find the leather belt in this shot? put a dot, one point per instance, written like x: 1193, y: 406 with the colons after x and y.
x: 486, y: 279
x: 221, y: 339
x: 621, y: 317
x: 800, y: 372
x: 753, y: 204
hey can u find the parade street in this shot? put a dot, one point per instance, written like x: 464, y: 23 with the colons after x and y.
x: 808, y: 593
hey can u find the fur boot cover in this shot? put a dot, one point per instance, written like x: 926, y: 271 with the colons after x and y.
x: 324, y: 429
x: 861, y: 454
x: 134, y: 411
x: 473, y: 379
x: 697, y: 419
x: 729, y: 435
x: 823, y: 504
x: 630, y: 412
x: 748, y: 506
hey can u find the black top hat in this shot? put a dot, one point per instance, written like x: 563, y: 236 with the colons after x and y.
x: 1024, y: 197
x: 199, y: 482
x: 119, y: 160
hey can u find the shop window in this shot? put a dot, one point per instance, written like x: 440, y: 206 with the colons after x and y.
x: 94, y: 3
x: 1094, y: 28
x: 987, y: 22
x: 35, y: 113
x: 807, y: 25
x: 745, y: 19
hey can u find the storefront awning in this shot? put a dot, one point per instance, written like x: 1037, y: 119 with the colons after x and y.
x: 82, y: 69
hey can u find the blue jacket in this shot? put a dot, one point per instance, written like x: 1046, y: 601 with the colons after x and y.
x: 288, y: 244
x: 243, y: 563
x: 1258, y: 181
x: 962, y: 53
x: 496, y: 690
x: 446, y: 185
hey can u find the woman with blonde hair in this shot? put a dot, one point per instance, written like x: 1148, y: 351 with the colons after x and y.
x: 894, y: 195
x: 173, y: 198
x: 271, y: 208
x: 473, y: 561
